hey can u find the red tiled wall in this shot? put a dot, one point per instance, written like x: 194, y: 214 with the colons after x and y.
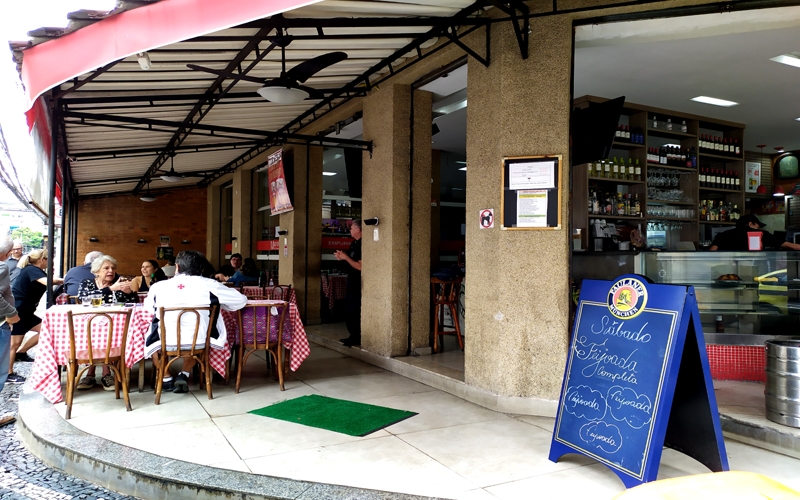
x: 737, y: 362
x: 119, y: 221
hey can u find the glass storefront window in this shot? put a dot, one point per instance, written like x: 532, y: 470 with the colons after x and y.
x: 267, y: 242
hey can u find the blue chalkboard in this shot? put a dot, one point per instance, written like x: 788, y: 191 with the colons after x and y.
x: 630, y: 342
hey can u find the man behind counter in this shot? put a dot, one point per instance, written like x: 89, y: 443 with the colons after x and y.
x: 735, y: 240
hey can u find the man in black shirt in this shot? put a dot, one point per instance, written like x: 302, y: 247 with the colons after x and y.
x: 227, y: 270
x: 735, y: 240
x: 353, y: 296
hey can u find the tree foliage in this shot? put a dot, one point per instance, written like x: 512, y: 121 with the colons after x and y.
x: 30, y: 239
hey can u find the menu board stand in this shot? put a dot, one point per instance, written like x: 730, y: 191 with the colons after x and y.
x: 638, y: 379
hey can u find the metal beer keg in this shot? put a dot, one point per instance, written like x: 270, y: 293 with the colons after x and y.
x: 783, y: 382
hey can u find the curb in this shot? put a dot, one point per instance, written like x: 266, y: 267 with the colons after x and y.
x: 144, y: 475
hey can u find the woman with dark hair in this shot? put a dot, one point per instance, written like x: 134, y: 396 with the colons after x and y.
x: 151, y: 273
x: 247, y: 274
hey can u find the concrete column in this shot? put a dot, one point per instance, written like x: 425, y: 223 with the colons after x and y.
x: 301, y: 265
x: 517, y: 283
x: 387, y: 294
x: 242, y: 212
x: 213, y: 252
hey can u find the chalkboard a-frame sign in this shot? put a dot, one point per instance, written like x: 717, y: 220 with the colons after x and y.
x: 637, y: 379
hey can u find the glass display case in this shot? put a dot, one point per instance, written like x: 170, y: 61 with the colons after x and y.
x: 745, y: 298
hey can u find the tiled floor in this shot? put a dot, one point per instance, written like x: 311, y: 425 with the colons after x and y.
x: 452, y: 449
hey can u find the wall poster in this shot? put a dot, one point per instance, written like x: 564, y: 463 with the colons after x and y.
x: 531, y: 197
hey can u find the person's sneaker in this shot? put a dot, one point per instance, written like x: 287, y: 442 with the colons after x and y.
x: 15, y: 379
x: 344, y: 340
x: 352, y: 342
x: 108, y: 382
x: 23, y: 357
x: 8, y: 419
x: 181, y: 383
x: 168, y: 385
x: 86, y: 383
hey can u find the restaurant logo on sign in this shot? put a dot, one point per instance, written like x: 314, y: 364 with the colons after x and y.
x: 627, y: 298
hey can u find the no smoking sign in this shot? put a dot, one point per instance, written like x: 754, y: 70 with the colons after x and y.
x: 487, y: 218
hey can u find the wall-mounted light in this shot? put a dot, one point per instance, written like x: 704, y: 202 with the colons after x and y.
x: 233, y: 238
x: 143, y: 58
x: 371, y: 222
x: 93, y: 240
x: 283, y: 232
x: 185, y: 242
x: 141, y: 240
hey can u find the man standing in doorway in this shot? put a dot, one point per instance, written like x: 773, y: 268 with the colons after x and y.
x: 353, y: 296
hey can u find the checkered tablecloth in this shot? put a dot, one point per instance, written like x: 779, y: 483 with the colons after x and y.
x: 294, y: 334
x: 258, y: 293
x: 334, y: 288
x: 54, y: 343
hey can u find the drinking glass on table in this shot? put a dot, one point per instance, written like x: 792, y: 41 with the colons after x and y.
x: 97, y: 298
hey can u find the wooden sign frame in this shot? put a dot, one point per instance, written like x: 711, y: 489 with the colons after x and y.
x: 507, y: 196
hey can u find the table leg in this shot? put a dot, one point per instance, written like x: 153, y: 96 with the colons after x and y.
x: 141, y: 375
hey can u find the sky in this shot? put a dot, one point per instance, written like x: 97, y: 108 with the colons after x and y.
x: 16, y: 19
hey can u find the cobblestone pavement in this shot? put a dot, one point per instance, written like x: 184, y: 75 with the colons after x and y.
x: 22, y: 475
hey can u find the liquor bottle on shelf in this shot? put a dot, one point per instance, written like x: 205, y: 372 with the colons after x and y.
x: 736, y: 150
x: 627, y: 135
x: 620, y: 204
x: 703, y: 209
x: 669, y: 123
x: 717, y: 144
x: 618, y: 133
x: 615, y: 169
x: 701, y: 177
x: 684, y: 128
x: 638, y: 171
x: 654, y: 122
x: 623, y: 172
x: 590, y: 169
x: 606, y: 170
x: 723, y: 212
x: 726, y: 148
x: 713, y: 214
x: 736, y: 184
x: 735, y: 214
x: 637, y: 208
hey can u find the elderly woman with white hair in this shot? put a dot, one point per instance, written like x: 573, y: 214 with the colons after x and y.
x: 113, y: 287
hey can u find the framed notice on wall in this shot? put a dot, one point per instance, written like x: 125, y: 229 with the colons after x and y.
x: 530, y: 197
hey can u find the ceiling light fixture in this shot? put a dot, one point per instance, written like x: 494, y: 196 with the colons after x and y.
x: 147, y: 196
x: 714, y: 101
x: 788, y: 59
x: 144, y: 60
x: 282, y: 95
x: 172, y: 175
x: 328, y: 174
x: 463, y: 168
x: 797, y: 119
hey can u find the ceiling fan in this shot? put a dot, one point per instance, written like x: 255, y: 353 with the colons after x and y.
x: 172, y: 175
x: 287, y: 88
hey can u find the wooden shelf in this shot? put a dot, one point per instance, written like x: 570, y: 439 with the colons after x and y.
x: 717, y: 223
x: 616, y: 181
x: 665, y: 202
x: 678, y: 219
x: 718, y: 190
x: 620, y: 217
x: 625, y: 145
x: 670, y: 133
x: 720, y: 157
x: 682, y: 169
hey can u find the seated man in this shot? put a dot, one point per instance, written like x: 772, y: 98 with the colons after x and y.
x: 187, y: 289
x: 74, y: 277
x: 225, y: 272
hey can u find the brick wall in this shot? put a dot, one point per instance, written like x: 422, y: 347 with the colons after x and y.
x: 119, y: 221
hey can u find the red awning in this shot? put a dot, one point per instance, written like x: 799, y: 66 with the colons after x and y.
x: 138, y: 30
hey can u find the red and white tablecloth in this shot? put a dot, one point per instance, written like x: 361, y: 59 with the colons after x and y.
x: 251, y: 292
x: 334, y: 287
x: 54, y: 343
x: 294, y: 334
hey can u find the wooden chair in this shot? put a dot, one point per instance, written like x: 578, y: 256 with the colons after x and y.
x: 97, y: 353
x: 261, y: 330
x: 278, y: 292
x: 445, y: 294
x: 201, y: 355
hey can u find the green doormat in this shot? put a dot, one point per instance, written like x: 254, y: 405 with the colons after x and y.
x: 338, y: 415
